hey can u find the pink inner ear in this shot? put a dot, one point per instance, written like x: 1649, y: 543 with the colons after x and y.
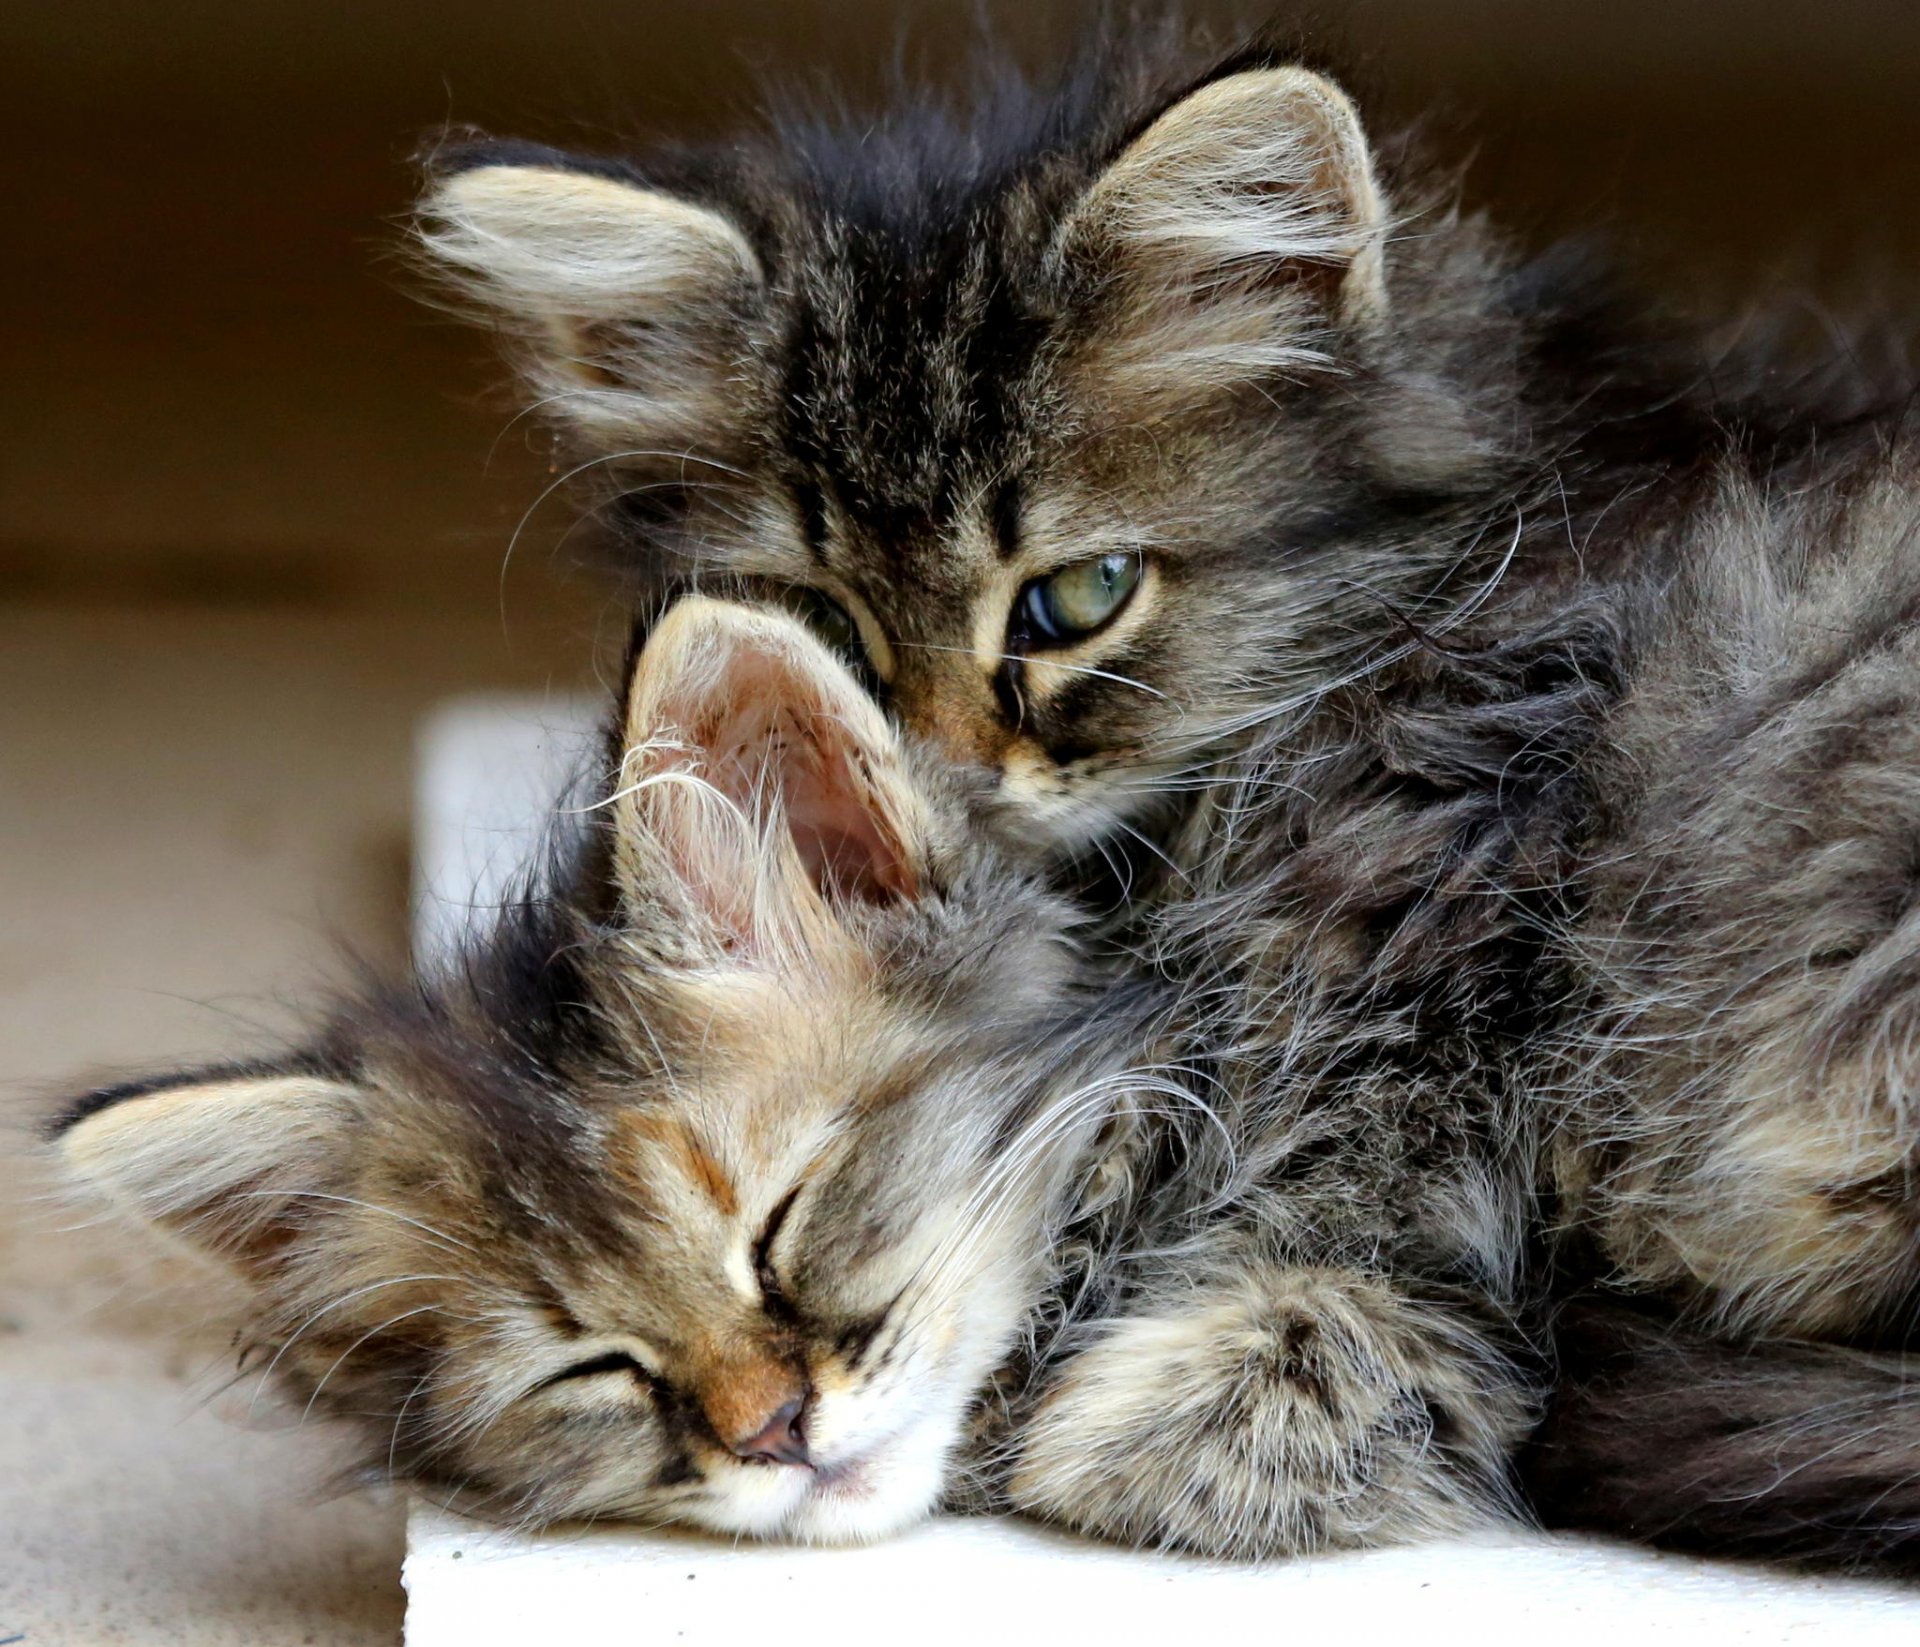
x: 846, y: 851
x: 772, y: 732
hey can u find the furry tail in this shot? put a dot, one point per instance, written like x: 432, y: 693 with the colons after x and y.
x: 1782, y: 1450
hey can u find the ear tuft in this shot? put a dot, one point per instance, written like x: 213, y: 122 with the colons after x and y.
x: 575, y: 246
x: 220, y: 1159
x: 760, y: 786
x: 1238, y: 224
x: 632, y: 303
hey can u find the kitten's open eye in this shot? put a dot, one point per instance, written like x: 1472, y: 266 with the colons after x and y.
x: 829, y: 620
x: 1073, y: 603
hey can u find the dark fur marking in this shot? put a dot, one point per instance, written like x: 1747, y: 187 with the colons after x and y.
x: 76, y: 1110
x: 1782, y: 1450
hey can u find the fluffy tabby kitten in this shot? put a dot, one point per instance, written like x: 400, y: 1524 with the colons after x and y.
x: 1515, y: 711
x: 714, y: 1183
x: 1501, y: 710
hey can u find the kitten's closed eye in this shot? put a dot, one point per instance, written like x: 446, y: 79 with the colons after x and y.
x: 764, y: 1271
x: 613, y: 1361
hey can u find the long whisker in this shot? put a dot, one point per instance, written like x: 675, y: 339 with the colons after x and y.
x: 327, y: 1309
x: 1025, y: 1155
x: 400, y: 1417
x: 340, y: 1360
x: 351, y: 1201
x: 1051, y: 662
x: 579, y: 469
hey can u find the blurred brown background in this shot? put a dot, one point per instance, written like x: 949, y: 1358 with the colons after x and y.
x: 254, y: 505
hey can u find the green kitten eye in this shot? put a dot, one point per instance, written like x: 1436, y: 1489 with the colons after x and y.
x: 831, y: 621
x: 1079, y: 600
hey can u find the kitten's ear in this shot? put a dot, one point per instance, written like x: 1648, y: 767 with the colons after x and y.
x: 633, y: 307
x: 1231, y: 233
x: 226, y: 1159
x: 761, y: 791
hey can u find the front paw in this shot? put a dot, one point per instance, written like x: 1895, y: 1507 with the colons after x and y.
x: 1311, y: 1410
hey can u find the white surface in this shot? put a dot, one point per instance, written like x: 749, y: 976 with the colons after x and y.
x: 988, y: 1582
x: 490, y: 769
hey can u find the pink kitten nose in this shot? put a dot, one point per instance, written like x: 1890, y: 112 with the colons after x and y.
x: 779, y: 1440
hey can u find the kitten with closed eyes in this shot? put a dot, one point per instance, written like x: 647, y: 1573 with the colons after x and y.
x: 714, y: 1183
x: 1492, y: 703
x: 1501, y: 725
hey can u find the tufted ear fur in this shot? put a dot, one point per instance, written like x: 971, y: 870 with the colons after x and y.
x: 762, y: 794
x: 634, y: 308
x: 227, y: 1160
x: 1233, y: 234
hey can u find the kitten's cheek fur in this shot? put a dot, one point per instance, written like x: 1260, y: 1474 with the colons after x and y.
x: 888, y: 1490
x: 1067, y: 807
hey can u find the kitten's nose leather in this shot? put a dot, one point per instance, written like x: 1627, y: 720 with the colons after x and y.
x: 779, y: 1440
x: 754, y: 1400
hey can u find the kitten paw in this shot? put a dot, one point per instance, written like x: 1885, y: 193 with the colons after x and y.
x: 1301, y: 1410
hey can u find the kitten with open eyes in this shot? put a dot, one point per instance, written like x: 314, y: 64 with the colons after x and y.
x: 712, y: 1185
x: 1496, y: 707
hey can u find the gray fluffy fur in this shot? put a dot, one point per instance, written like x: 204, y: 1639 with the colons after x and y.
x: 1511, y: 789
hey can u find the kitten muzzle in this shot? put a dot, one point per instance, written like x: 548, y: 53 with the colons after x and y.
x: 781, y: 1440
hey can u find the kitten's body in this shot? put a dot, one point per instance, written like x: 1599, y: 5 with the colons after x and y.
x: 1575, y: 948
x: 1470, y: 755
x: 1505, y: 758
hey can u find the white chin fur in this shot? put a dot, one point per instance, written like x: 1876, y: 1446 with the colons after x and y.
x: 853, y: 1501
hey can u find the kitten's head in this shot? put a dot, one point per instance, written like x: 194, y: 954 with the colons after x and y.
x: 1091, y: 430
x: 715, y: 1183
